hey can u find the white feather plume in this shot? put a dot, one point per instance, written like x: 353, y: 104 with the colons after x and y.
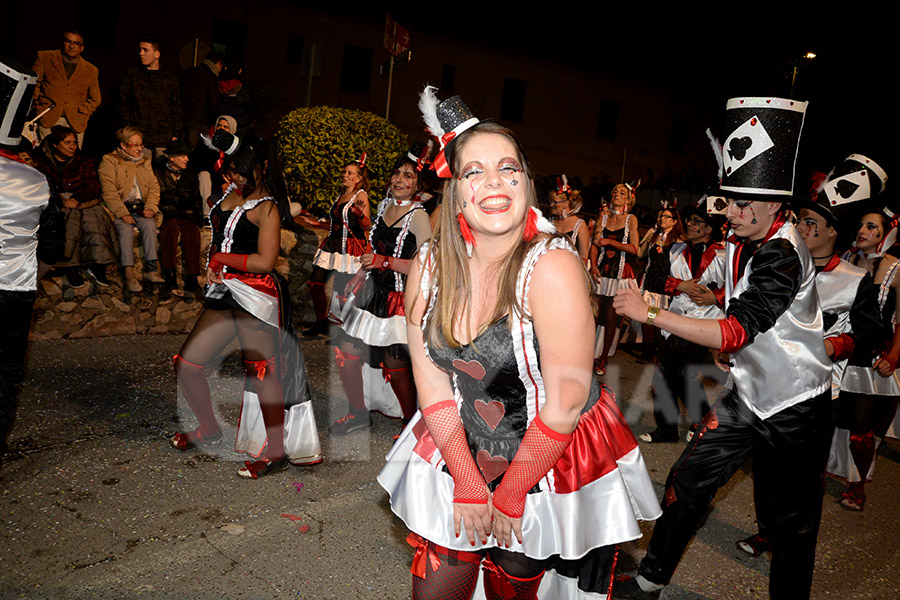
x: 207, y: 141
x: 717, y: 150
x: 542, y: 223
x: 565, y: 181
x: 428, y: 104
x: 822, y: 183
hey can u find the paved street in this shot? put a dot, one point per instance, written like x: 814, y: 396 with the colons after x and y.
x: 95, y: 504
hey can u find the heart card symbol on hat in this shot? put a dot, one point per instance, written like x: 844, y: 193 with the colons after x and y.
x: 746, y: 143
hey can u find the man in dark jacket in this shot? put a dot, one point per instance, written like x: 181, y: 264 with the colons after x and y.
x: 149, y: 99
x: 182, y: 210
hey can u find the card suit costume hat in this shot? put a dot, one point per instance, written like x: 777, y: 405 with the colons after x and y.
x: 851, y: 185
x: 757, y: 160
x: 17, y: 85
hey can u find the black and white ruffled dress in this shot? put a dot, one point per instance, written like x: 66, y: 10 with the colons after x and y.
x: 377, y: 317
x: 589, y: 501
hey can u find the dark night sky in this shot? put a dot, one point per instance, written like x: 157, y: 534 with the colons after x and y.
x: 708, y: 57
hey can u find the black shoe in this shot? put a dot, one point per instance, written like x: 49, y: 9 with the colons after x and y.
x: 349, y: 423
x: 98, y: 274
x: 753, y: 545
x: 191, y: 285
x: 318, y: 328
x: 627, y: 587
x: 74, y: 278
x: 656, y: 437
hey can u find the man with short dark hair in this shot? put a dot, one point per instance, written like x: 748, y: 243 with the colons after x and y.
x: 149, y: 99
x: 70, y: 81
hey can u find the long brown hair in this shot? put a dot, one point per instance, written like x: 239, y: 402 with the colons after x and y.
x: 450, y: 294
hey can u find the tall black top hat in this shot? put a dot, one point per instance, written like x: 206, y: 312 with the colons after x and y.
x: 856, y: 179
x: 16, y: 93
x: 444, y: 120
x: 758, y: 157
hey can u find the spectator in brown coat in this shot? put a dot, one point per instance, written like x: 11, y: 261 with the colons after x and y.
x: 71, y: 82
x: 130, y: 191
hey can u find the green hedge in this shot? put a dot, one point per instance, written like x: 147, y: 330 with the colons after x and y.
x: 316, y: 142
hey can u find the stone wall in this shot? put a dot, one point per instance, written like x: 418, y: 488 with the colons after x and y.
x: 92, y: 311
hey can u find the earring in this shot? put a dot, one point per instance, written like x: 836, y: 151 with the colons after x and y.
x: 467, y: 236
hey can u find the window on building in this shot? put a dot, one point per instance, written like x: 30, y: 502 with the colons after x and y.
x: 356, y: 69
x: 609, y: 117
x: 512, y: 104
x: 229, y: 38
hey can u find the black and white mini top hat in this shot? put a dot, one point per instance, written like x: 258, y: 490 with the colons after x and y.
x: 419, y: 152
x: 444, y: 120
x: 856, y: 179
x: 222, y: 141
x: 16, y: 94
x: 759, y: 154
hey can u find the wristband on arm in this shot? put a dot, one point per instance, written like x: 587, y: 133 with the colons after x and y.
x: 540, y: 449
x: 449, y: 436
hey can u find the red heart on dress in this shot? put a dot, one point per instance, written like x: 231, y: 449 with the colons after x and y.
x: 472, y: 368
x: 491, y: 412
x: 491, y: 467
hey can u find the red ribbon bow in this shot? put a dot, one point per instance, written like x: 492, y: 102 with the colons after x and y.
x: 424, y: 554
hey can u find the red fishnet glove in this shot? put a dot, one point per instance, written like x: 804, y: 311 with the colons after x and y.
x: 540, y: 449
x: 447, y: 430
x: 235, y: 261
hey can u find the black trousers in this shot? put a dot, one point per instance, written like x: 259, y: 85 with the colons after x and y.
x: 676, y: 379
x: 789, y: 451
x: 15, y: 308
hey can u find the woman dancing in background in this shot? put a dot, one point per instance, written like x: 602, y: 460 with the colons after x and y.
x: 346, y: 242
x: 566, y: 218
x: 376, y: 323
x: 615, y: 237
x: 244, y: 300
x: 655, y: 248
x: 870, y: 388
x: 516, y: 447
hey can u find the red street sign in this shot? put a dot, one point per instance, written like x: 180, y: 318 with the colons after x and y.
x: 395, y: 45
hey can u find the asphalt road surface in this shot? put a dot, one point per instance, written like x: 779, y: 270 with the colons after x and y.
x: 94, y: 503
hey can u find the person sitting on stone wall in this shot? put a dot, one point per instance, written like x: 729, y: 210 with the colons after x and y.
x: 89, y: 230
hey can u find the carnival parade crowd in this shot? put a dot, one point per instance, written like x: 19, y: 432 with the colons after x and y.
x: 485, y: 328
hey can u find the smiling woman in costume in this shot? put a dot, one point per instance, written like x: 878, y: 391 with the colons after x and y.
x: 376, y: 322
x: 346, y: 242
x: 518, y: 459
x: 615, y: 240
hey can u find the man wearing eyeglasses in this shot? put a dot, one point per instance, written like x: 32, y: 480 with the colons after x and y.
x: 70, y: 81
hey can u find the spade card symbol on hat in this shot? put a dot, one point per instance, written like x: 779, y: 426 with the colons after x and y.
x: 848, y: 188
x: 746, y: 143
